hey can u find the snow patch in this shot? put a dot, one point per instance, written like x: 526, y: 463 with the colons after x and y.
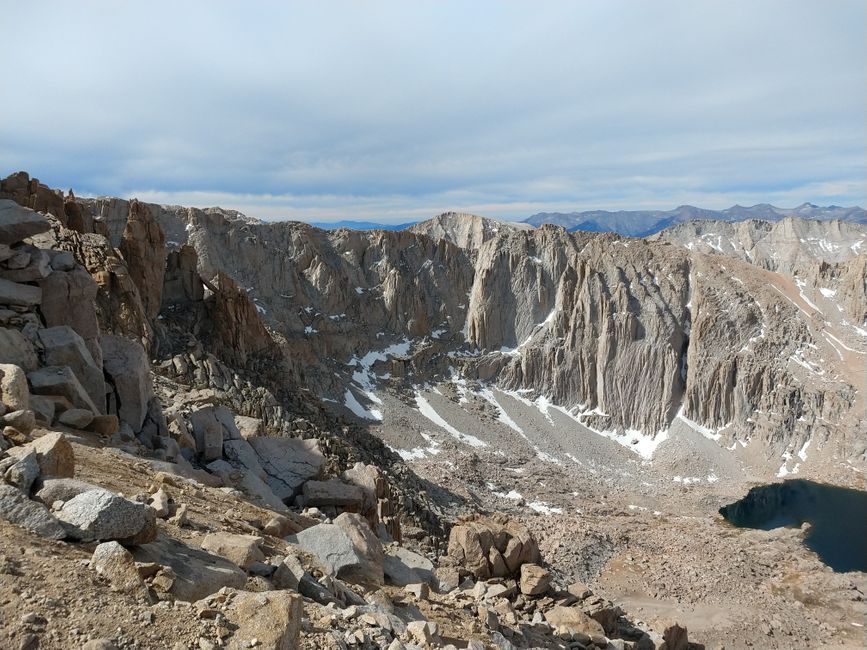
x: 430, y: 413
x: 353, y: 405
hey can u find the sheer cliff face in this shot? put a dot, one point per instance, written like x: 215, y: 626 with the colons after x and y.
x: 757, y: 335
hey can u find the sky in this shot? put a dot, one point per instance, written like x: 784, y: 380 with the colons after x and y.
x: 397, y: 111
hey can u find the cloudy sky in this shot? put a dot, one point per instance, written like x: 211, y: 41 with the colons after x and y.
x: 396, y: 111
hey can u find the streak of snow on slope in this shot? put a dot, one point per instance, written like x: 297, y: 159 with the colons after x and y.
x: 417, y: 453
x: 353, y: 405
x: 430, y: 413
x: 634, y: 440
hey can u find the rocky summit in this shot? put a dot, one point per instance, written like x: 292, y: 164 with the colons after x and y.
x: 219, y: 432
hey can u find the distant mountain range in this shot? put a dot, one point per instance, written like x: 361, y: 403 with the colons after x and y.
x: 640, y: 223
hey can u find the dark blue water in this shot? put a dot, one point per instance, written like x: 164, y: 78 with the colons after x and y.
x: 838, y: 517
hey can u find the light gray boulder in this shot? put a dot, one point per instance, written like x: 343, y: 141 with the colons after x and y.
x: 23, y: 472
x: 348, y: 549
x: 61, y: 380
x: 19, y: 295
x: 333, y: 492
x: 76, y: 418
x: 126, y: 362
x: 17, y: 509
x: 113, y: 562
x: 196, y: 572
x: 248, y: 482
x: 37, y: 266
x: 288, y: 463
x: 62, y: 346
x: 102, y: 515
x: 17, y: 350
x: 402, y: 567
x: 62, y: 489
x: 18, y: 222
x: 22, y: 420
x: 13, y: 387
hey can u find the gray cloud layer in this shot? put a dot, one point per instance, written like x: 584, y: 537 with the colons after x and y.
x: 396, y: 110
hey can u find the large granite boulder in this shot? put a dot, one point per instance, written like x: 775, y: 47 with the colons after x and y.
x: 17, y: 509
x: 195, y: 572
x: 127, y: 365
x: 99, y: 515
x: 62, y: 346
x: 492, y: 547
x: 287, y: 463
x: 14, y: 392
x: 17, y: 350
x: 270, y: 620
x: 17, y: 223
x: 62, y: 381
x: 347, y: 548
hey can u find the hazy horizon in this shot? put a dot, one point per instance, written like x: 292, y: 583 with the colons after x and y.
x: 394, y: 112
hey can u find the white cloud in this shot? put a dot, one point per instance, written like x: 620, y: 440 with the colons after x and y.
x: 394, y: 110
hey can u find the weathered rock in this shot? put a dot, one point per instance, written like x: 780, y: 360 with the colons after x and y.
x: 104, y: 425
x: 425, y: 633
x: 333, y: 492
x: 24, y: 421
x: 13, y: 387
x: 62, y: 260
x: 209, y: 433
x: 19, y: 295
x: 571, y: 620
x: 17, y: 223
x: 196, y: 573
x: 76, y: 418
x: 62, y: 346
x: 290, y: 574
x: 16, y: 350
x: 161, y: 503
x: 447, y: 579
x: 402, y: 567
x: 143, y: 248
x: 287, y: 463
x: 534, y: 580
x: 248, y: 482
x: 17, y: 509
x: 54, y: 455
x: 61, y: 380
x: 675, y: 638
x: 421, y: 590
x: 249, y: 427
x: 102, y: 515
x: 61, y: 489
x: 43, y: 408
x: 271, y: 620
x: 36, y: 265
x: 127, y: 365
x: 114, y: 562
x: 242, y: 550
x: 70, y: 298
x: 347, y: 548
x: 23, y: 472
x: 471, y: 542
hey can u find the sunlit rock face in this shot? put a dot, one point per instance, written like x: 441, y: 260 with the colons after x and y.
x: 750, y: 331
